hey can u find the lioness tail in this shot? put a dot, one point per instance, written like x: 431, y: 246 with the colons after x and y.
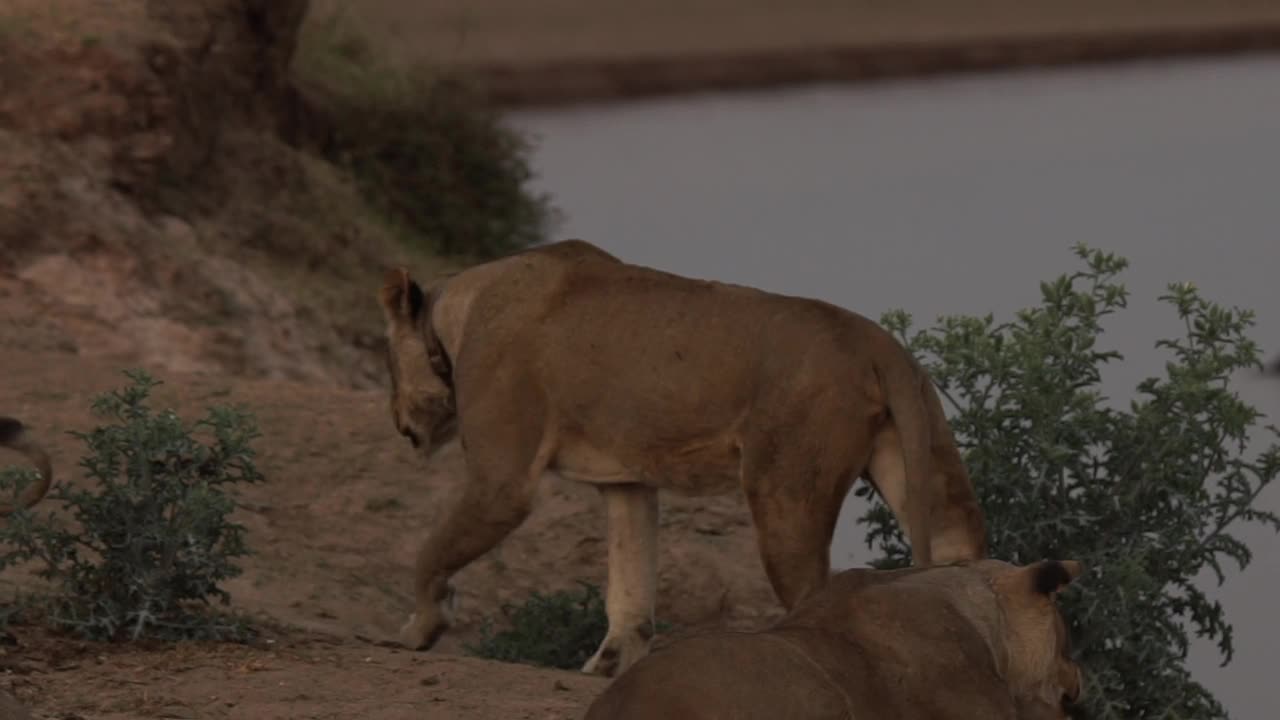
x: 903, y: 385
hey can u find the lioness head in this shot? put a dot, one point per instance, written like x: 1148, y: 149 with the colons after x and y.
x: 1037, y: 646
x: 423, y: 406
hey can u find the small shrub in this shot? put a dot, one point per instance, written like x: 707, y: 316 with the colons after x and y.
x: 153, y: 540
x: 560, y: 630
x: 424, y: 149
x: 1145, y: 494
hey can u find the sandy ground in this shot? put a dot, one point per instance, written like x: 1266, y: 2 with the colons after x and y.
x: 287, y: 677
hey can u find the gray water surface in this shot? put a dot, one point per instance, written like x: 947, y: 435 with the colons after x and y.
x: 959, y: 195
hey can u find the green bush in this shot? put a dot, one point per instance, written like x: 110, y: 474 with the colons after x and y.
x: 424, y: 149
x: 560, y: 630
x: 151, y: 541
x: 1145, y: 494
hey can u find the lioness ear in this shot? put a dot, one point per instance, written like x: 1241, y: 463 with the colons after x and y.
x: 400, y: 295
x: 1050, y: 576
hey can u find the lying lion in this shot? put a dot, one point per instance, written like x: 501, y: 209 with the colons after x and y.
x: 564, y: 358
x: 14, y: 436
x: 980, y: 641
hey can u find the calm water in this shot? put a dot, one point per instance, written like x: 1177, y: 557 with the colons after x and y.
x: 959, y: 195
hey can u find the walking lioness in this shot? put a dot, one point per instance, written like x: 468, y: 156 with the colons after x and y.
x: 564, y: 358
x: 14, y: 436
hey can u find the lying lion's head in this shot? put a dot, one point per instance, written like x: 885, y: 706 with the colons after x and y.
x: 423, y: 406
x: 1037, y: 645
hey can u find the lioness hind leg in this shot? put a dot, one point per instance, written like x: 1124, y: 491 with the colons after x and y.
x: 795, y: 490
x: 794, y: 537
x: 632, y: 512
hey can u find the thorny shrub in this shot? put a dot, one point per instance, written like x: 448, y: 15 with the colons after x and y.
x: 1146, y: 495
x: 150, y: 540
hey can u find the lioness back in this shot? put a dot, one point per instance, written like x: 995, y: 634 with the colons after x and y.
x: 658, y: 371
x: 713, y: 350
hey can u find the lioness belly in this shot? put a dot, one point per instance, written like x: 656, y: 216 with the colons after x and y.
x: 709, y: 467
x: 579, y: 461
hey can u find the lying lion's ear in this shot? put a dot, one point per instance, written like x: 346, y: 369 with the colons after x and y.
x: 401, y: 296
x: 1050, y: 576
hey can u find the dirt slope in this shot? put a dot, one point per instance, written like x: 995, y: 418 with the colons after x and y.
x: 155, y: 202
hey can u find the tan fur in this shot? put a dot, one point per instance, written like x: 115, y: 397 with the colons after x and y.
x: 14, y: 436
x: 970, y: 641
x: 564, y: 358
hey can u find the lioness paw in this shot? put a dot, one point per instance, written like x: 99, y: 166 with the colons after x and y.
x: 619, y: 652
x: 420, y: 634
x: 604, y: 663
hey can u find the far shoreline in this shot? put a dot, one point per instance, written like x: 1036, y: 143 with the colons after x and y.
x: 560, y: 83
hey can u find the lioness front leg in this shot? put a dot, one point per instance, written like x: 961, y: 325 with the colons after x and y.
x: 486, y: 513
x: 632, y: 512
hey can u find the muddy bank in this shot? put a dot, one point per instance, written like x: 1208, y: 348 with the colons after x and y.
x: 558, y: 82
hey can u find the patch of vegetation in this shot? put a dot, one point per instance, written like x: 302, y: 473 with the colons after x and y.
x: 423, y: 148
x: 561, y: 630
x: 1147, y: 495
x: 151, y: 541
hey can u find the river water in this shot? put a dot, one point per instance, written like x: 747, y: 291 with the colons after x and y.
x: 960, y: 195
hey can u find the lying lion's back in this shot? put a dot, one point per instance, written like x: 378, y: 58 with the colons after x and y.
x: 747, y: 676
x: 806, y: 673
